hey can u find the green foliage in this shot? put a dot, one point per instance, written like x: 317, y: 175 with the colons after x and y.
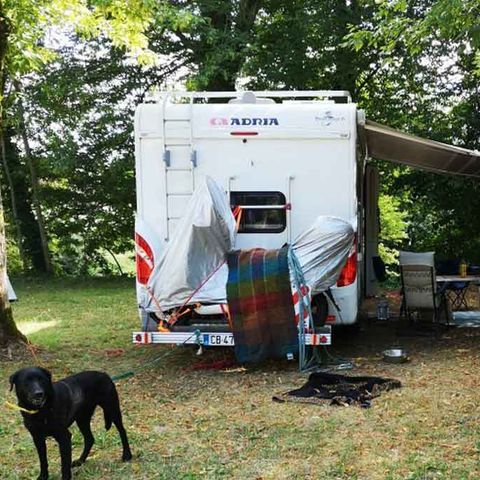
x: 81, y: 111
x: 424, y: 81
x: 393, y: 229
x: 416, y: 24
x: 298, y: 45
x: 27, y: 22
x: 125, y: 23
x: 410, y: 64
x: 26, y: 46
x: 212, y: 38
x: 14, y: 262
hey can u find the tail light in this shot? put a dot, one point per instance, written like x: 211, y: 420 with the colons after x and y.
x: 349, y: 272
x: 330, y: 320
x: 144, y: 259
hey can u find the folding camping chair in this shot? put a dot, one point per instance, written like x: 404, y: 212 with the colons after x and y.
x: 419, y: 287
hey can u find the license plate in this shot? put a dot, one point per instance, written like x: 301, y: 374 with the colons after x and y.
x: 218, y: 339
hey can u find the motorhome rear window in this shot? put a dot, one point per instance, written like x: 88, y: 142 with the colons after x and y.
x: 259, y: 219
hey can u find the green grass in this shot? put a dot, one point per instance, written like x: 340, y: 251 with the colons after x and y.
x: 186, y: 424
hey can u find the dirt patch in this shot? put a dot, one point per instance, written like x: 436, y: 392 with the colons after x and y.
x: 18, y: 351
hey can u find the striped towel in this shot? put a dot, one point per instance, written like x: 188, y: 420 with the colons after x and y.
x: 259, y: 297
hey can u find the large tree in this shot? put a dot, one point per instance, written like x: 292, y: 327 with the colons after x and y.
x: 299, y: 45
x: 23, y: 48
x: 211, y: 39
x: 426, y: 82
x: 81, y: 108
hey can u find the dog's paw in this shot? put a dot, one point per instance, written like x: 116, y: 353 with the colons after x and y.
x: 127, y: 456
x: 77, y: 463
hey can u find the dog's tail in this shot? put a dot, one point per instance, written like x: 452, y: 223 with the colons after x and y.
x: 108, y: 420
x: 111, y: 407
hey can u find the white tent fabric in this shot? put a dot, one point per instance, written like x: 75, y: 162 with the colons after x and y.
x: 322, y: 251
x: 12, y: 296
x: 386, y: 143
x: 198, y: 247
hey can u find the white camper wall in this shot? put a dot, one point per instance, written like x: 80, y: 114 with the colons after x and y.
x: 309, y: 156
x: 314, y: 177
x: 149, y: 167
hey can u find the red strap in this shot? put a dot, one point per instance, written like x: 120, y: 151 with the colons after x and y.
x: 173, y: 319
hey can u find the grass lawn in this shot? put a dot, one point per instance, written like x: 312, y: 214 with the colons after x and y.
x: 186, y: 424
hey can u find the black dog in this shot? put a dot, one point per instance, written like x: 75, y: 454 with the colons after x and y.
x: 53, y: 407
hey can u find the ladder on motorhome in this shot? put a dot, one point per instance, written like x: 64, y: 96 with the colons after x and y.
x: 179, y: 161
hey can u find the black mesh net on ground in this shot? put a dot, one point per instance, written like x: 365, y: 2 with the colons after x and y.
x: 335, y: 389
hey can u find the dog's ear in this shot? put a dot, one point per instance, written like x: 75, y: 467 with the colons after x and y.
x: 47, y: 373
x: 13, y: 378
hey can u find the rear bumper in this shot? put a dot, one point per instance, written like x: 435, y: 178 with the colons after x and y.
x: 217, y: 339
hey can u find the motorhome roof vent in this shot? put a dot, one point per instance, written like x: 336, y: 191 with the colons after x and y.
x: 250, y: 97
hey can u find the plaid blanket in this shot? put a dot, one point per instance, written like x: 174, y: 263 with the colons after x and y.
x: 260, y: 302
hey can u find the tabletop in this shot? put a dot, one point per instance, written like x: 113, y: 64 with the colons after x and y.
x: 458, y: 278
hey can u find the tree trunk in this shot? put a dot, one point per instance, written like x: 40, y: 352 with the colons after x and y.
x: 29, y: 230
x: 115, y: 260
x: 13, y: 201
x: 237, y: 31
x: 34, y: 182
x: 348, y: 13
x: 8, y: 330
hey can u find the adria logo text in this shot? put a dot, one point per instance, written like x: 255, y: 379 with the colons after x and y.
x: 244, y: 121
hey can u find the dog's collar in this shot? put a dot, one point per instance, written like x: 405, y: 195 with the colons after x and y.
x: 12, y: 406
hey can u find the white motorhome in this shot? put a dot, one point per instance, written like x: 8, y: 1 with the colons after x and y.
x: 283, y: 157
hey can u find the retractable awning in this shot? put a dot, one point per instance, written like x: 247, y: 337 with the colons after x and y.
x: 386, y: 143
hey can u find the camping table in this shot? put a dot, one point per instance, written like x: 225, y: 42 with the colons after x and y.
x: 459, y: 293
